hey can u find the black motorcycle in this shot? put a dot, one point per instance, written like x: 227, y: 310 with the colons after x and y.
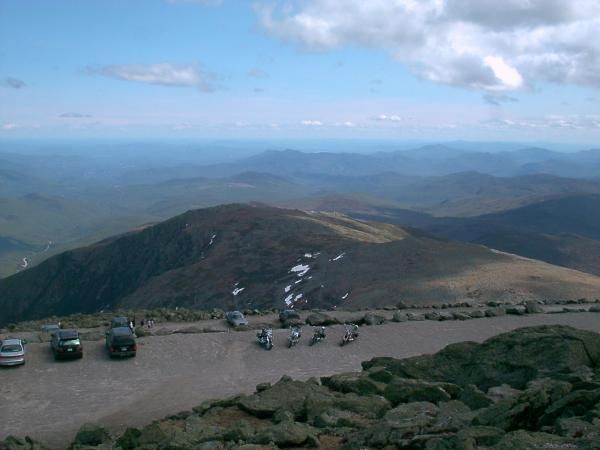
x: 318, y: 335
x: 350, y: 334
x: 295, y: 335
x: 265, y: 338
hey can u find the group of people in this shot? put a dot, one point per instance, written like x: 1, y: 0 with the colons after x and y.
x: 149, y: 323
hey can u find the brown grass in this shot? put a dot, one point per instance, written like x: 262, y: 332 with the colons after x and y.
x: 375, y: 233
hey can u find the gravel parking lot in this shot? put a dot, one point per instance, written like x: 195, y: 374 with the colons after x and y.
x: 50, y: 400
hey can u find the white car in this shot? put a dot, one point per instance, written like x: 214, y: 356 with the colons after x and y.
x: 12, y: 352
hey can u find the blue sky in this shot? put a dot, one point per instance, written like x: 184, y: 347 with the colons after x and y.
x: 289, y: 69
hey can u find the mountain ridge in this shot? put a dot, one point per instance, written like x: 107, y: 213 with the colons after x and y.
x: 242, y: 256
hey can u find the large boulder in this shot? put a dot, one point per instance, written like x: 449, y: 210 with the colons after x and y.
x: 286, y: 395
x: 14, y: 443
x: 576, y: 403
x: 452, y: 417
x: 513, y: 358
x: 495, y: 312
x: 476, y: 314
x: 92, y: 435
x: 319, y: 319
x: 400, y: 317
x: 415, y: 317
x: 525, y: 410
x: 373, y: 319
x: 533, y: 308
x: 404, y: 390
x: 460, y: 315
x: 338, y: 409
x: 353, y: 382
x: 516, y: 310
x: 288, y: 434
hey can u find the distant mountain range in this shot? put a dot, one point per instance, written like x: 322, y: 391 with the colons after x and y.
x: 240, y: 256
x: 564, y: 230
x: 435, y: 160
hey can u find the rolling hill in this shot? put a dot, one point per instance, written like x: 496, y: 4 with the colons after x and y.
x: 564, y: 231
x: 458, y: 195
x: 239, y: 256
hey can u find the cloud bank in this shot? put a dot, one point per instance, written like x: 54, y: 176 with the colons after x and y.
x: 488, y: 45
x: 74, y: 115
x: 162, y: 74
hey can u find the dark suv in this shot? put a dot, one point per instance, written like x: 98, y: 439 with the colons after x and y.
x: 117, y: 322
x: 66, y: 344
x: 120, y: 341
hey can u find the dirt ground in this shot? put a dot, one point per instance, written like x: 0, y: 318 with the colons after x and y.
x: 50, y: 400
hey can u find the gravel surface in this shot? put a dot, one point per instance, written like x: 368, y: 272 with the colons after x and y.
x: 50, y: 400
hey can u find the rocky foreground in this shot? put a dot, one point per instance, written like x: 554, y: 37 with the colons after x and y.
x: 533, y: 388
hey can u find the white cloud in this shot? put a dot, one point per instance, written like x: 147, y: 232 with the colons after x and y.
x: 163, y: 74
x: 312, y: 123
x: 9, y: 126
x: 483, y: 44
x: 74, y: 115
x: 563, y: 122
x: 389, y: 118
x: 346, y: 124
x: 509, y: 76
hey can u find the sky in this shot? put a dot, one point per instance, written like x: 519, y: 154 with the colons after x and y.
x: 517, y: 70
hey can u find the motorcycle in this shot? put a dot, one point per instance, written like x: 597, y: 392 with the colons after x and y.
x: 295, y: 335
x: 350, y: 334
x: 318, y: 335
x: 265, y: 338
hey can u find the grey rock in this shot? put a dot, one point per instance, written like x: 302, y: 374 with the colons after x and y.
x: 517, y: 310
x: 400, y: 317
x: 461, y: 315
x: 533, y: 308
x: 415, y: 316
x: 320, y: 319
x: 495, y: 312
x: 502, y: 392
x: 402, y: 390
x: 373, y: 319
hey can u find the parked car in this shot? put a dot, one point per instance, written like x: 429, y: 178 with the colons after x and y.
x: 120, y: 341
x: 289, y: 314
x: 12, y: 352
x: 235, y: 318
x: 66, y: 344
x: 50, y: 328
x: 117, y: 322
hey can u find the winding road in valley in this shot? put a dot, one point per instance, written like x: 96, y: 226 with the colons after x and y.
x: 50, y: 400
x: 25, y: 260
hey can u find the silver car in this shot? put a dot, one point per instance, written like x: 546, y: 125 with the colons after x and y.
x: 12, y: 352
x: 235, y: 318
